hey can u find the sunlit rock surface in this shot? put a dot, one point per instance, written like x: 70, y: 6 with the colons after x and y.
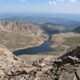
x: 66, y: 67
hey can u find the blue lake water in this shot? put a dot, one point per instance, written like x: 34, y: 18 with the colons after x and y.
x: 42, y: 49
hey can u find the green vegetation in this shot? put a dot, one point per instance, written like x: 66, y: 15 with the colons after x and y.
x: 65, y: 44
x: 74, y: 41
x: 60, y: 48
x: 55, y: 53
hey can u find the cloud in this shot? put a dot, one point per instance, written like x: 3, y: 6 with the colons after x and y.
x: 73, y: 1
x: 23, y: 0
x: 52, y: 2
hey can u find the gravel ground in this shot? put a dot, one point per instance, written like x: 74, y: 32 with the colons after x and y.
x: 30, y: 58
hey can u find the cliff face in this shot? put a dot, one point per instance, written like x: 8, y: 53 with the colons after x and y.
x: 66, y: 67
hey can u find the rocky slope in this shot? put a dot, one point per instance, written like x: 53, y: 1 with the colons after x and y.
x: 77, y: 30
x: 66, y: 67
x: 52, y: 28
x: 16, y: 35
x: 63, y: 41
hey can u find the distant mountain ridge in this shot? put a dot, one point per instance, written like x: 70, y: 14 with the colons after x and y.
x: 69, y: 21
x: 52, y: 28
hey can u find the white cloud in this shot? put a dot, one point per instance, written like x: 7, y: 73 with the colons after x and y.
x: 73, y: 1
x: 23, y: 0
x: 55, y: 2
x: 52, y: 2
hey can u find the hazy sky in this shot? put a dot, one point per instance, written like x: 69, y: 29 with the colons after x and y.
x: 40, y: 6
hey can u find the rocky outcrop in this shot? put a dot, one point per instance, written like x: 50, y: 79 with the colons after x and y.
x: 11, y: 67
x: 66, y: 67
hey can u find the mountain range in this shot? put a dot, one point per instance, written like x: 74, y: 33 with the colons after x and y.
x: 69, y: 21
x: 16, y: 35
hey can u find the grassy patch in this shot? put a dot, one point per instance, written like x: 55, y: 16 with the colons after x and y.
x: 15, y: 40
x: 74, y: 41
x: 54, y: 53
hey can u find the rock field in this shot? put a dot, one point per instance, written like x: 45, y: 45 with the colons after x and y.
x: 66, y: 67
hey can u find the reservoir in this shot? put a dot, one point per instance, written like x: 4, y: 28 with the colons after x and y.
x: 42, y: 49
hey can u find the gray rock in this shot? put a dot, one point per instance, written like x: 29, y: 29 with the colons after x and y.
x: 67, y: 76
x: 64, y: 68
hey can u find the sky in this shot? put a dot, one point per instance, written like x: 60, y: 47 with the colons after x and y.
x: 40, y: 6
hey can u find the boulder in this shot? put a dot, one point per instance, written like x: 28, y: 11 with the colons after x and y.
x: 13, y: 68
